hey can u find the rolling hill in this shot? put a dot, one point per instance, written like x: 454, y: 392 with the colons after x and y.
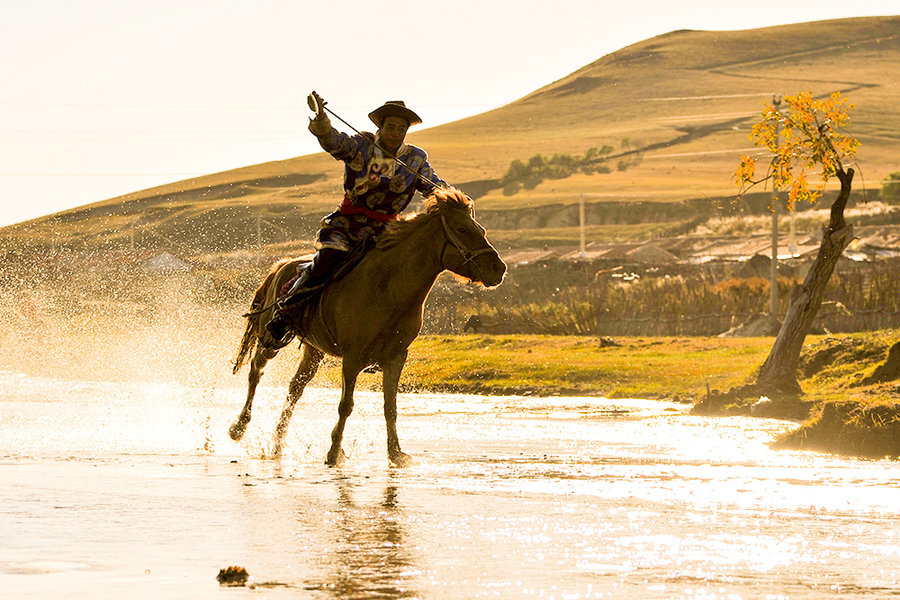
x: 674, y: 110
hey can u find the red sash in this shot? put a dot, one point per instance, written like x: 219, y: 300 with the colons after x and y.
x: 351, y: 209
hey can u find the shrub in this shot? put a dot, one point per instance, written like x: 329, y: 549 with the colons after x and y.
x: 529, y: 174
x: 890, y: 188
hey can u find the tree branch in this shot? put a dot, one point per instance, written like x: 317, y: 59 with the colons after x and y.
x: 837, y: 208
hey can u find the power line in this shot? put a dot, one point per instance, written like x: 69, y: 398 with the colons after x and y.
x: 701, y: 117
x: 100, y: 175
x: 180, y: 131
x: 292, y: 107
x: 713, y: 97
x: 134, y: 139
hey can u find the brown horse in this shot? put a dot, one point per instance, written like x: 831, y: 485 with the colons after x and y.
x: 373, y: 314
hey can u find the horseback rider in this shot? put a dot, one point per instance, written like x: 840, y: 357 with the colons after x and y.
x: 377, y: 187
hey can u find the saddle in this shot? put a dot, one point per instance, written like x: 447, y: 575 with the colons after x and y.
x: 298, y: 305
x: 352, y: 258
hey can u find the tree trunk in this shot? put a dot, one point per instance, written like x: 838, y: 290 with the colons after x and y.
x: 778, y: 375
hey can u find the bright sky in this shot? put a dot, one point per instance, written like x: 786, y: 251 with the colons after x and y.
x: 105, y: 97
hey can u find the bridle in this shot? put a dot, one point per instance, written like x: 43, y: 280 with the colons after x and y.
x: 453, y: 239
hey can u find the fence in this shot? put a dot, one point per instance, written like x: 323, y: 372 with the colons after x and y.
x: 710, y: 324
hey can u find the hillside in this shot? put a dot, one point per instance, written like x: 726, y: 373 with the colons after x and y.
x: 685, y: 100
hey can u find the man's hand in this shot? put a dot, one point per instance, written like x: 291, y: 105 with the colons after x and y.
x: 321, y: 124
x: 316, y: 104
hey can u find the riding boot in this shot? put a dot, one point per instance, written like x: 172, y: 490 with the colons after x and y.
x: 315, y: 274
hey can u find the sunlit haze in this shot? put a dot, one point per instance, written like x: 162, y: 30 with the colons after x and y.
x: 101, y: 98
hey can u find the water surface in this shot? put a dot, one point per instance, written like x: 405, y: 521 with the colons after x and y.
x: 113, y: 490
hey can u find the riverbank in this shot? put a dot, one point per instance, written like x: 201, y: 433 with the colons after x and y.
x: 843, y: 409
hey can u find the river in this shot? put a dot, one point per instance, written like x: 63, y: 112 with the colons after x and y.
x: 134, y: 490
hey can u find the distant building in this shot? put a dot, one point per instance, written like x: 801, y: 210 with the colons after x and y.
x: 166, y: 263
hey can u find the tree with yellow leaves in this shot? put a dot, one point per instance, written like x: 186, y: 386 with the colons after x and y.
x: 806, y: 137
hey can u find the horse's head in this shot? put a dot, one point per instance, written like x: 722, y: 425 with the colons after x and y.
x: 466, y: 250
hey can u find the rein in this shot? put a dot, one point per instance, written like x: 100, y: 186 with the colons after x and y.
x: 452, y: 239
x: 467, y: 254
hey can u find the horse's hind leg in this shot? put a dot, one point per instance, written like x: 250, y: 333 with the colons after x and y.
x: 309, y: 364
x: 260, y: 358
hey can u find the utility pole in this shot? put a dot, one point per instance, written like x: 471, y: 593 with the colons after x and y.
x: 258, y: 235
x: 792, y: 243
x: 581, y: 222
x: 773, y: 270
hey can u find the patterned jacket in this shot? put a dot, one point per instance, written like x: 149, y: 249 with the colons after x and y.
x: 376, y: 187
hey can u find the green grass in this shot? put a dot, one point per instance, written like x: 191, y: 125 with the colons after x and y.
x: 845, y: 417
x: 652, y: 367
x: 663, y: 368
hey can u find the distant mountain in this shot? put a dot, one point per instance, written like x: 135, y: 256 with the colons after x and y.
x: 673, y: 111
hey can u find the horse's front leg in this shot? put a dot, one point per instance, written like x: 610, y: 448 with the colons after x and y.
x: 260, y: 358
x: 309, y: 364
x: 391, y: 384
x: 349, y: 371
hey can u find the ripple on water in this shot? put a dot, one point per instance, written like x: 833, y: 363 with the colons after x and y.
x: 508, y: 497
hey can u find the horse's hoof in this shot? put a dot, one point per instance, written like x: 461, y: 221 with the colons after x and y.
x: 237, y: 430
x: 401, y: 459
x: 276, y: 451
x: 336, y: 459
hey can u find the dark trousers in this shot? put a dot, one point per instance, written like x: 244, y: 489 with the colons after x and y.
x: 323, y: 265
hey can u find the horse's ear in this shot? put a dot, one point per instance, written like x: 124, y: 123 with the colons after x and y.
x: 470, y: 203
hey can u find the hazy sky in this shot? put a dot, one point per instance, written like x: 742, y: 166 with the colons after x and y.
x: 104, y: 97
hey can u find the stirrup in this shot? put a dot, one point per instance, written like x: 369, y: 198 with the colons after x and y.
x: 282, y: 324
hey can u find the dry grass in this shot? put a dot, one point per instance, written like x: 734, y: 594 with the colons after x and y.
x: 510, y: 239
x: 645, y: 93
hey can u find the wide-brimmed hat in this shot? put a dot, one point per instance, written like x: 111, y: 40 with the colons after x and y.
x: 394, y: 108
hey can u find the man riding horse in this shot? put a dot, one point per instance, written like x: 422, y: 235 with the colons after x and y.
x: 377, y: 187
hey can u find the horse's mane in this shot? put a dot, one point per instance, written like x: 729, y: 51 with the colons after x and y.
x: 403, y: 227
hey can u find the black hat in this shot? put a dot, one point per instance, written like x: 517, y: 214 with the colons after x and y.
x: 394, y: 108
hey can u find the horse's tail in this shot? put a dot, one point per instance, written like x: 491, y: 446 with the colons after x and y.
x: 251, y: 333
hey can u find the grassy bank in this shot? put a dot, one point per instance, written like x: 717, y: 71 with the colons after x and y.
x: 660, y: 368
x: 843, y: 410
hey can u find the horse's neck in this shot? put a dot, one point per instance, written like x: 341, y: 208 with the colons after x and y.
x: 413, y: 263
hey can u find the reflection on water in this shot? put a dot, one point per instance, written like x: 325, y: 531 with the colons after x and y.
x: 128, y: 490
x: 369, y: 558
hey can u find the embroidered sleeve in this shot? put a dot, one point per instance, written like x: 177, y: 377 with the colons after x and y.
x: 340, y: 145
